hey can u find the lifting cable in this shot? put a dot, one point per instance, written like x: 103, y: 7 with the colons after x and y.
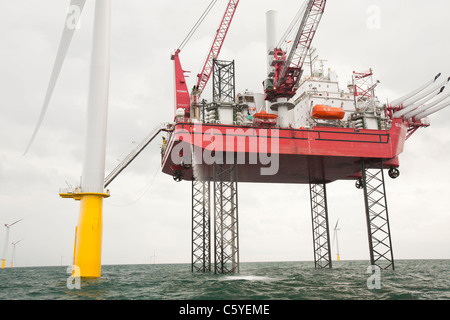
x: 294, y: 24
x: 197, y: 24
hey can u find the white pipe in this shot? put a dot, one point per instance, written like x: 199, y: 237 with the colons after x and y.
x: 431, y: 111
x: 421, y: 109
x: 95, y: 148
x: 413, y: 93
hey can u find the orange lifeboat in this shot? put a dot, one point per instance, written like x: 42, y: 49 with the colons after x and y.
x: 328, y: 113
x: 264, y: 117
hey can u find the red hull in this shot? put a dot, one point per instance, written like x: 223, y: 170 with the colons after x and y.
x: 322, y: 154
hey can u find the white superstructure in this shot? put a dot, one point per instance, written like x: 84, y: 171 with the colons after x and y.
x: 319, y: 89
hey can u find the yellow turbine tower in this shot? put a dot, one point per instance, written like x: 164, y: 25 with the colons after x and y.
x: 91, y: 192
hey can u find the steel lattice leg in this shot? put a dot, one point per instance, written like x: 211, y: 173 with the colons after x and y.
x: 226, y: 232
x: 201, y: 230
x: 320, y: 226
x: 380, y: 244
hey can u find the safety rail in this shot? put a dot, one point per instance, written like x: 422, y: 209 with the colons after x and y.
x: 303, y: 134
x: 136, y: 151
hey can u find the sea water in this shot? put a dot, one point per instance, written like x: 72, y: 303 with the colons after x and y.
x: 347, y: 280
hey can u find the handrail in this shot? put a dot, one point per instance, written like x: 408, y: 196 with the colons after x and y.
x: 136, y: 151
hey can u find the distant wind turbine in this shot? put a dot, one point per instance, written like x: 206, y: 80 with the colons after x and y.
x: 335, y: 237
x: 5, y: 249
x: 14, y: 251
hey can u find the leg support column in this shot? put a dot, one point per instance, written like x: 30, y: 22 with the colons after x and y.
x: 226, y: 231
x: 320, y: 226
x: 201, y: 230
x: 380, y: 244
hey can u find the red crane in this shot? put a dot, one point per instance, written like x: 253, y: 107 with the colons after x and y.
x: 183, y: 100
x: 288, y: 69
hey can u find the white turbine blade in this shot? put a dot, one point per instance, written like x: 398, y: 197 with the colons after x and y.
x: 426, y: 106
x: 413, y: 93
x: 9, y: 225
x: 335, y: 227
x: 436, y: 87
x: 75, y: 9
x: 429, y: 112
x: 418, y: 104
x: 409, y: 104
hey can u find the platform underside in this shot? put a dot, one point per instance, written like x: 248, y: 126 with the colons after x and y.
x: 280, y: 155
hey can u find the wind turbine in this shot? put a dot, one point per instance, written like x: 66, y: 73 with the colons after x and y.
x: 5, y: 248
x: 88, y: 235
x: 14, y: 251
x: 335, y: 236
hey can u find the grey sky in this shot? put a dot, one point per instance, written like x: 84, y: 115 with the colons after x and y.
x: 148, y: 212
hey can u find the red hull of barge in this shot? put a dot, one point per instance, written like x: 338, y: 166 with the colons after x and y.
x: 321, y: 154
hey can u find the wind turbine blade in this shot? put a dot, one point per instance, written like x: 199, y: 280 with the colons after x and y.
x: 429, y: 112
x: 336, y: 224
x: 9, y: 225
x: 74, y: 12
x: 426, y: 106
x: 409, y: 105
x: 411, y: 94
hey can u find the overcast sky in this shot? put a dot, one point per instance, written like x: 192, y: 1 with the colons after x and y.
x: 150, y: 214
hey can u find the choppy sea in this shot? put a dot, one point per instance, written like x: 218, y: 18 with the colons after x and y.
x: 347, y: 280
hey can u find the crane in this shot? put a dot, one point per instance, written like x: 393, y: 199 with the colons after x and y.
x: 288, y: 67
x: 183, y: 100
x: 182, y: 97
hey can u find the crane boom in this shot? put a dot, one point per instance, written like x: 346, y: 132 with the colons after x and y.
x: 221, y: 34
x: 288, y: 70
